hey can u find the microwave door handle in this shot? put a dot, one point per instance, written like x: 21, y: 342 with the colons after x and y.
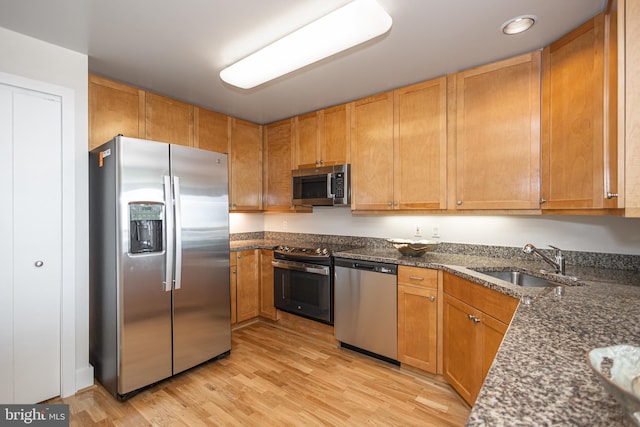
x: 330, y: 186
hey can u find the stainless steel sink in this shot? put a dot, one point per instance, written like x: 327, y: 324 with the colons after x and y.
x: 520, y: 279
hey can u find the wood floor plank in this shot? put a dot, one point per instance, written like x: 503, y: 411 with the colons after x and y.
x: 275, y: 377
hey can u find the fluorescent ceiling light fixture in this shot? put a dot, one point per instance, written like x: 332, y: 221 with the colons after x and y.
x: 518, y: 25
x: 351, y: 25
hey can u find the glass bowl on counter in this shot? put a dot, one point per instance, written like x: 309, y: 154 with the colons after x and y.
x: 618, y: 368
x: 413, y: 248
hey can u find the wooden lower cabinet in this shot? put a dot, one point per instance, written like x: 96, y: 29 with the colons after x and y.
x: 267, y: 309
x: 233, y: 284
x: 418, y: 317
x: 247, y: 284
x: 475, y: 320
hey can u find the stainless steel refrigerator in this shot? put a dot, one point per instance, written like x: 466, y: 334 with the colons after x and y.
x: 159, y: 261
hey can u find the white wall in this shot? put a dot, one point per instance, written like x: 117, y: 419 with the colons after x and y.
x: 27, y: 57
x: 578, y: 233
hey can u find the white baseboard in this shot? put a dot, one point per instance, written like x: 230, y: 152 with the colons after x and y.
x: 84, y: 377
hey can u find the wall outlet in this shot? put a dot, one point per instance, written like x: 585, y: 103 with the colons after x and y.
x: 418, y: 232
x: 285, y: 224
x: 435, y: 232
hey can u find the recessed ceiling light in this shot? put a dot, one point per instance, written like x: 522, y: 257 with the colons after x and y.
x: 518, y: 25
x: 348, y: 26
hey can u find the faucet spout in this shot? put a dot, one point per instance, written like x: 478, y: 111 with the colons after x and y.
x: 558, y: 262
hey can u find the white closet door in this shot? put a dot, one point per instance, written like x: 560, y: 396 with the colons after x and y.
x: 36, y: 201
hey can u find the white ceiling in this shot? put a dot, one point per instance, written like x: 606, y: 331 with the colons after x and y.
x: 177, y: 48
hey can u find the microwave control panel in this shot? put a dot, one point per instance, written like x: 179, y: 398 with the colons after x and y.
x: 339, y: 185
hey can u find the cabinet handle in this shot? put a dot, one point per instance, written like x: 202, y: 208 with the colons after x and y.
x: 543, y: 200
x: 395, y: 203
x: 611, y: 195
x: 474, y: 318
x: 432, y: 298
x: 459, y: 202
x: 239, y: 256
x: 416, y: 278
x: 388, y: 203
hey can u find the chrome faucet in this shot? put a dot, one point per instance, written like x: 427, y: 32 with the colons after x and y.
x: 557, y: 262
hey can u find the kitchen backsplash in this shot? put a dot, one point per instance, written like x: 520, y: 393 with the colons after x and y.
x: 584, y: 259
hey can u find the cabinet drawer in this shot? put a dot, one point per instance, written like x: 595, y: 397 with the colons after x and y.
x: 417, y: 276
x: 491, y: 302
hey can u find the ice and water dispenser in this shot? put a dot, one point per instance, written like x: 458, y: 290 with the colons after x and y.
x: 145, y: 227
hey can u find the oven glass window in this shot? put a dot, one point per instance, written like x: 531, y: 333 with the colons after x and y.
x: 305, y: 294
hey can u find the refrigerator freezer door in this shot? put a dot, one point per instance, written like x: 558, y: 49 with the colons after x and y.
x: 201, y: 304
x: 144, y: 317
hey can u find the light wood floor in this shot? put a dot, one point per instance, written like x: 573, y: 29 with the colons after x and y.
x: 276, y: 377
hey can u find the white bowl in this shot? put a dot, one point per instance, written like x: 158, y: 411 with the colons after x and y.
x: 618, y: 368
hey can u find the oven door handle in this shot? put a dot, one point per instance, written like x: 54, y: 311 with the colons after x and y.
x: 299, y: 266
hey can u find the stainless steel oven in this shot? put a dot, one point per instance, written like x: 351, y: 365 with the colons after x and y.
x: 303, y: 282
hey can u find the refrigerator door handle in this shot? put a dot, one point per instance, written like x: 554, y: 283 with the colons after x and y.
x: 168, y: 207
x: 178, y: 232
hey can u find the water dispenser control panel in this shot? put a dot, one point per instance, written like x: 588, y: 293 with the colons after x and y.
x: 145, y: 227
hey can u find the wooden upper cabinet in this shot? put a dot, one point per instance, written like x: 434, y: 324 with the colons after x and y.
x: 277, y: 162
x: 211, y: 130
x: 322, y: 137
x: 168, y: 120
x: 114, y: 108
x: 307, y: 140
x: 245, y: 166
x: 399, y: 149
x: 420, y: 153
x: 372, y: 153
x: 336, y: 135
x: 579, y: 156
x: 496, y: 135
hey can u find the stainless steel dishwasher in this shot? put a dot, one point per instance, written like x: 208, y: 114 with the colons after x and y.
x: 366, y: 308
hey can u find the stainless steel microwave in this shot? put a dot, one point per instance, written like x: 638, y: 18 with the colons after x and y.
x: 323, y: 186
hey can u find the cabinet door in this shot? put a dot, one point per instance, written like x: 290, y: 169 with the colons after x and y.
x: 497, y: 136
x: 462, y: 340
x: 245, y: 177
x: 372, y: 153
x: 277, y: 166
x: 578, y: 157
x: 247, y: 286
x: 267, y: 309
x: 211, y: 130
x: 492, y: 334
x: 168, y: 120
x: 307, y: 140
x: 336, y: 131
x: 420, y: 155
x: 233, y: 284
x: 417, y: 327
x: 114, y: 108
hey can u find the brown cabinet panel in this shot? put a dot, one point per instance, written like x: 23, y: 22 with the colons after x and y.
x: 497, y: 135
x: 267, y: 308
x: 336, y: 129
x: 211, y: 130
x: 248, y: 284
x: 420, y: 156
x: 307, y: 140
x: 245, y: 166
x: 579, y: 156
x: 472, y: 337
x: 114, y: 108
x: 462, y: 364
x: 277, y: 161
x: 372, y: 153
x: 168, y: 120
x: 417, y: 325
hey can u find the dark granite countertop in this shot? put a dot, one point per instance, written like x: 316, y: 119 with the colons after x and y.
x: 540, y: 375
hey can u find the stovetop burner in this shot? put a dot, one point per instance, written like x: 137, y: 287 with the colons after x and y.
x: 304, y: 251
